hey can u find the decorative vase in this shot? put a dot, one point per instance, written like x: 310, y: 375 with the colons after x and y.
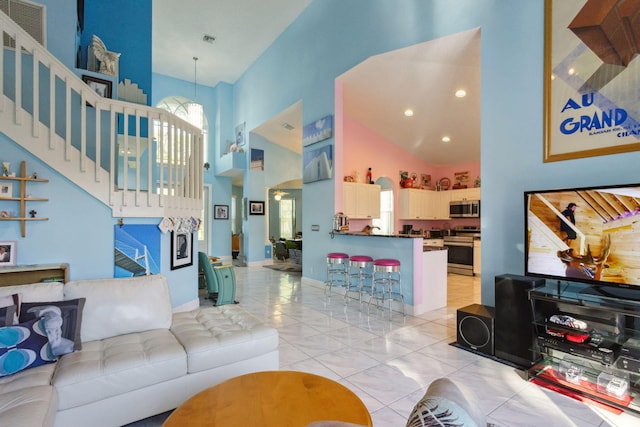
x: 5, y: 168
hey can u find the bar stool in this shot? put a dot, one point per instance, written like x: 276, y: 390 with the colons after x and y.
x: 360, y: 270
x: 337, y: 271
x: 386, y: 283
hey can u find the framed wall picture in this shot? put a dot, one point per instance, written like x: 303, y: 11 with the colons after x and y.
x: 6, y: 190
x: 257, y: 159
x: 256, y: 208
x: 589, y: 70
x: 137, y: 248
x: 317, y: 164
x: 100, y: 86
x: 181, y: 249
x: 8, y: 253
x: 220, y: 211
x: 317, y: 131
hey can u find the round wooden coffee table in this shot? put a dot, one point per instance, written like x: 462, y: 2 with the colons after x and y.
x: 271, y: 398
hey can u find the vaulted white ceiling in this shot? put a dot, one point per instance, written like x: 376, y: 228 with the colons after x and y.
x: 423, y: 77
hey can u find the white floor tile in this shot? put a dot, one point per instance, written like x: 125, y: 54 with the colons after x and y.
x: 389, y: 362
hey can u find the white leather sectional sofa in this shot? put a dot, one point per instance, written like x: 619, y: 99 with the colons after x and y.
x: 137, y: 359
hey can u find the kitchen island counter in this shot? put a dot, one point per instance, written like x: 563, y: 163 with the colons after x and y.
x: 423, y: 268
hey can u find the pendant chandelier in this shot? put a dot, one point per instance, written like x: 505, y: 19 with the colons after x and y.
x: 195, y: 112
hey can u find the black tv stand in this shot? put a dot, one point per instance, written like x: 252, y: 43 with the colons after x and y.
x: 601, y: 361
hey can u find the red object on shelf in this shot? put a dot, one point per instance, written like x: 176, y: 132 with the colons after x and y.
x: 576, y: 396
x: 550, y: 374
x: 577, y: 337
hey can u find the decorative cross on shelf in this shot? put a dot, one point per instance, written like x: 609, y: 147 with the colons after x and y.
x: 33, y: 213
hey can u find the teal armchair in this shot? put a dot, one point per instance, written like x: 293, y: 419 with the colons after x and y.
x: 220, y: 280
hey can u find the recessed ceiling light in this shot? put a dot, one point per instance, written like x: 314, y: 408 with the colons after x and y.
x: 446, y: 139
x: 408, y: 112
x: 461, y: 93
x: 572, y: 71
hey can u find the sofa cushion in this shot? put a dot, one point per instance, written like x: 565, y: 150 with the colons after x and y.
x: 216, y: 336
x: 33, y: 406
x: 113, y: 366
x: 38, y: 376
x: 35, y: 292
x: 122, y: 306
x: 24, y: 346
x: 64, y: 318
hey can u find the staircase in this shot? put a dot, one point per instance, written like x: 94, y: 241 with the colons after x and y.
x: 138, y: 160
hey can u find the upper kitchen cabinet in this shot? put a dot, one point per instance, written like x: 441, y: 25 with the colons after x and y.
x: 361, y: 200
x: 412, y: 204
x: 442, y: 205
x: 423, y: 204
x: 465, y: 194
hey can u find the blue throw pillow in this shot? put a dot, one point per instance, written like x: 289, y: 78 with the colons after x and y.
x: 24, y: 346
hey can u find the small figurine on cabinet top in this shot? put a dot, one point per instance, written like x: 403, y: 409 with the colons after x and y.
x: 33, y: 213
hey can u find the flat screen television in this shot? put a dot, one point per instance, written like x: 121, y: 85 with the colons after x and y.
x: 601, y: 248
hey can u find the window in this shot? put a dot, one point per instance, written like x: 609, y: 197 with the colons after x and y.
x: 189, y: 111
x: 287, y: 218
x: 385, y: 222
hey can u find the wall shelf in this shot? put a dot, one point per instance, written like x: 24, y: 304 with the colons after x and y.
x: 25, y: 274
x: 23, y: 217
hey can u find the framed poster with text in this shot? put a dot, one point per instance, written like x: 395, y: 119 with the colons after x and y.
x: 591, y: 78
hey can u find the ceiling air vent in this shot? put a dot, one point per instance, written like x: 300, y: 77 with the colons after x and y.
x: 30, y: 16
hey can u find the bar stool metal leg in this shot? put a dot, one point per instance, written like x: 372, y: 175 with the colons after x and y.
x: 337, y: 272
x: 359, y: 273
x: 387, y: 284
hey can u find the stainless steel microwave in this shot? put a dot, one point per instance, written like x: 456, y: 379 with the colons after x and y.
x: 464, y: 209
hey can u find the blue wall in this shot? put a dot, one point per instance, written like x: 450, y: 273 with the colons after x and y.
x: 61, y: 29
x: 124, y: 26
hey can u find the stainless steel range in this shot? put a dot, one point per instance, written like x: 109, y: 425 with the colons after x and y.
x: 460, y: 254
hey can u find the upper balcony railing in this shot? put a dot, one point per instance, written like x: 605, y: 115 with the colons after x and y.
x: 139, y: 160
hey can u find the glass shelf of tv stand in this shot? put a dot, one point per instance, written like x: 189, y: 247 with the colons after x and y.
x: 608, y: 385
x: 611, y: 298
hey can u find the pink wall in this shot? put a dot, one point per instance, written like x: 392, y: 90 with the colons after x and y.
x: 360, y: 149
x: 365, y: 149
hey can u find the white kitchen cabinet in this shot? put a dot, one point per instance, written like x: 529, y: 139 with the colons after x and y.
x: 411, y: 204
x: 433, y: 242
x: 423, y: 204
x: 361, y: 200
x: 476, y: 257
x: 443, y: 199
x: 465, y: 194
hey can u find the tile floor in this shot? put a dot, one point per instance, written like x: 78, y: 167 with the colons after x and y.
x: 389, y: 363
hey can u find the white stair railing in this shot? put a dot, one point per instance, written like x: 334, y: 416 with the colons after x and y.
x: 139, y: 160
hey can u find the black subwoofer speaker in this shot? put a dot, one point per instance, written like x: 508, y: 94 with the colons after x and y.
x: 475, y: 328
x: 515, y: 334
